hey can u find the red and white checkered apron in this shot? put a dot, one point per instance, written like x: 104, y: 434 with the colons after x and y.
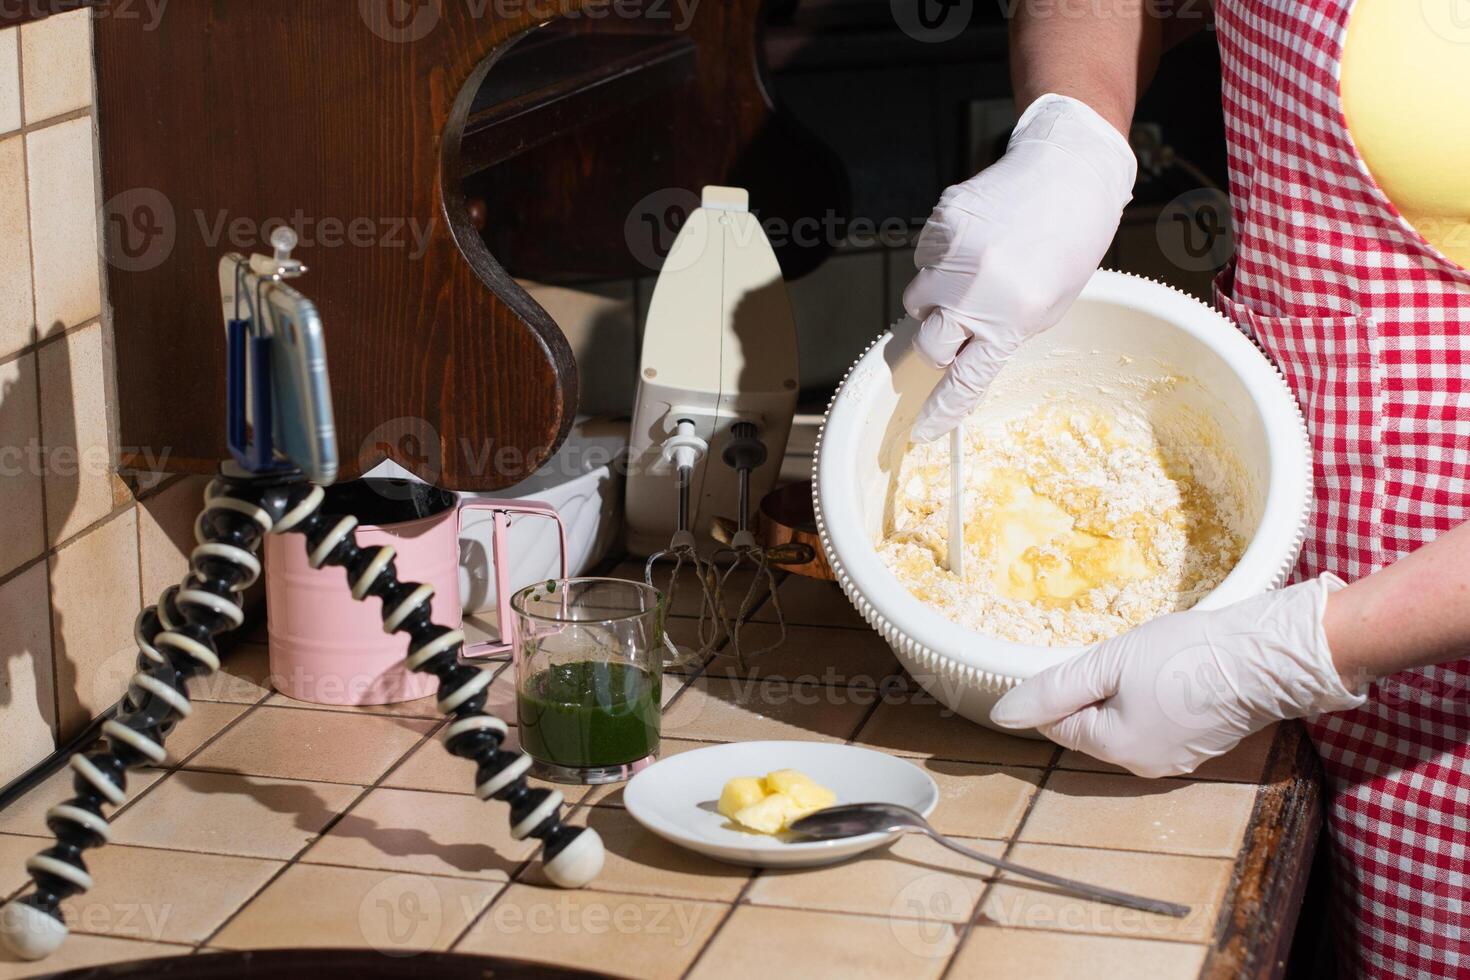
x: 1371, y: 326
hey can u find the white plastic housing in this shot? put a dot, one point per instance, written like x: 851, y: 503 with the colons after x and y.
x: 1122, y: 325
x: 719, y: 347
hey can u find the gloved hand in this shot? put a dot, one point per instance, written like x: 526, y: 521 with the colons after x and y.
x: 1162, y: 698
x: 1007, y: 251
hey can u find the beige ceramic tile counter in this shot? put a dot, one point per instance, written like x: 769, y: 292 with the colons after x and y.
x: 279, y: 824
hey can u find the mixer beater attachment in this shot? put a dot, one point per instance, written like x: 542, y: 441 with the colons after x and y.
x: 682, y: 451
x: 718, y: 366
x: 743, y: 453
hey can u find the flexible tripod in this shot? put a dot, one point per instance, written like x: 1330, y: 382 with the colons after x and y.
x: 176, y: 644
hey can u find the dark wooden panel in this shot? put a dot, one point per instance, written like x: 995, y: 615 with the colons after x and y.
x: 555, y: 82
x: 231, y: 114
x: 615, y: 192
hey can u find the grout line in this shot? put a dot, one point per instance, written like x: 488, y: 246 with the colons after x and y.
x: 96, y: 525
x: 514, y: 878
x: 230, y: 725
x: 505, y: 886
x: 172, y: 770
x: 46, y: 556
x: 432, y: 728
x: 31, y: 348
x: 39, y: 343
x: 740, y: 899
x: 176, y: 850
x: 285, y: 866
x: 165, y: 482
x: 27, y: 128
x: 143, y: 602
x: 165, y: 771
x: 970, y: 922
x: 867, y: 717
x: 23, y: 567
x: 359, y: 711
x: 393, y: 872
x: 1184, y: 778
x: 322, y: 832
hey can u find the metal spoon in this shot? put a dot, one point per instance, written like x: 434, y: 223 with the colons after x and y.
x: 852, y: 819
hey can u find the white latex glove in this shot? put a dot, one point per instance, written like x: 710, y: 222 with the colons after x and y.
x: 1162, y: 698
x: 1007, y: 251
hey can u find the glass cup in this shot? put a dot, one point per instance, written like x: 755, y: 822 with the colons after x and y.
x: 589, y: 656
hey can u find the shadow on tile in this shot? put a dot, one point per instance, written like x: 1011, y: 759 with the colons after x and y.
x: 220, y: 813
x: 407, y: 842
x: 632, y: 843
x: 640, y: 862
x: 1120, y: 786
x: 424, y: 833
x: 912, y: 723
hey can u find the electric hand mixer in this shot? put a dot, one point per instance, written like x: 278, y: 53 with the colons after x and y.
x: 281, y: 435
x: 717, y: 388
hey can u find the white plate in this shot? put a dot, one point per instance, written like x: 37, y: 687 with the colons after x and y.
x: 675, y: 797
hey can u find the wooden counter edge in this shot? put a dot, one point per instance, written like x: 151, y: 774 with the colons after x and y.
x: 1263, y: 902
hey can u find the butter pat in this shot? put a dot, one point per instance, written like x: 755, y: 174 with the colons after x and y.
x: 770, y: 816
x: 770, y: 805
x: 739, y: 793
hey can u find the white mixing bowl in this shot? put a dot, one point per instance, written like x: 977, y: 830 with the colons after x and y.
x: 1123, y: 328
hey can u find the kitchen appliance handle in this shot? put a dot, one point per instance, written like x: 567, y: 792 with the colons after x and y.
x: 500, y: 513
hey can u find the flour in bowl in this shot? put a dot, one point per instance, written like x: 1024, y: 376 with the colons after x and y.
x: 1080, y: 524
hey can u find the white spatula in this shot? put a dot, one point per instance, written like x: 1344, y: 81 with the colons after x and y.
x: 955, y: 554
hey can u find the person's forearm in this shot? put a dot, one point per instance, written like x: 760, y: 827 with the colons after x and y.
x: 1414, y: 613
x: 1100, y: 52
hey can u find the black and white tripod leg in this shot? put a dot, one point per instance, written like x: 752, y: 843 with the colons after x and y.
x: 176, y: 644
x: 571, y: 856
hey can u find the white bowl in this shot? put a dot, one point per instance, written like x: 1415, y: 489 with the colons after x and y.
x: 1122, y: 327
x: 675, y: 798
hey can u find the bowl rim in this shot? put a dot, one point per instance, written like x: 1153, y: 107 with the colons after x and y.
x: 922, y: 636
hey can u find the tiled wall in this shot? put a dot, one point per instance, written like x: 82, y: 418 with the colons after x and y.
x: 79, y: 547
